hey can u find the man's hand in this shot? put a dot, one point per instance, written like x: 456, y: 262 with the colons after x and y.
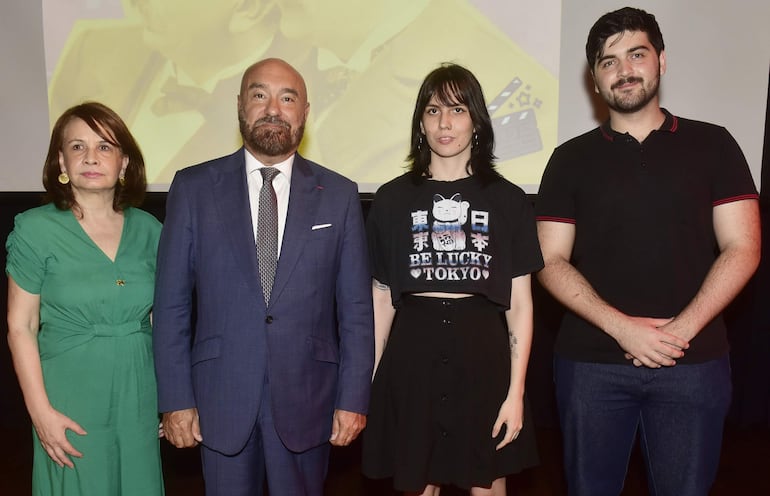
x: 645, y: 342
x: 181, y: 428
x: 346, y: 426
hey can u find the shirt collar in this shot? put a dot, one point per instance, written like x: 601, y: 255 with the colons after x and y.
x: 670, y: 124
x: 252, y: 165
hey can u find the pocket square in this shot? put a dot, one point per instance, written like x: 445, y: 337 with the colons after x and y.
x: 320, y: 226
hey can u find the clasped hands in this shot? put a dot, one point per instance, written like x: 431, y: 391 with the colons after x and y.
x: 651, y: 342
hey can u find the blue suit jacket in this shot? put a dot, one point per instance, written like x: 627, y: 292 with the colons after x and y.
x: 214, y: 339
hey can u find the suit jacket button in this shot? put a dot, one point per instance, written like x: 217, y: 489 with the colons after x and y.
x: 269, y: 319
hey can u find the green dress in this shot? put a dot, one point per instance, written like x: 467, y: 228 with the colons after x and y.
x: 96, y: 349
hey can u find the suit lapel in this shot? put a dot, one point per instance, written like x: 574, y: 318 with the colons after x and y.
x: 232, y: 204
x: 304, y: 197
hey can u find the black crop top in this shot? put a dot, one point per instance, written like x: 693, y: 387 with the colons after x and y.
x: 452, y: 236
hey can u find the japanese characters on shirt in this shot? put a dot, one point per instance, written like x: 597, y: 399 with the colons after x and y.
x: 449, y: 241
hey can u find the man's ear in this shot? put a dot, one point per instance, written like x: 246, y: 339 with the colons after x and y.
x: 249, y: 13
x: 662, y: 61
x: 593, y: 78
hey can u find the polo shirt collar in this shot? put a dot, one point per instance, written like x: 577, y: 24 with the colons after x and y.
x: 670, y: 124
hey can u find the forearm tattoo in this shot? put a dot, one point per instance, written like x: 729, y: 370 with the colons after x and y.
x: 512, y: 342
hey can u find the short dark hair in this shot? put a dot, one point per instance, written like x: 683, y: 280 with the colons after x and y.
x: 107, y: 124
x: 452, y: 84
x: 618, y: 21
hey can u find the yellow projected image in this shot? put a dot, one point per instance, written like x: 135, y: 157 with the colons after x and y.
x: 171, y: 69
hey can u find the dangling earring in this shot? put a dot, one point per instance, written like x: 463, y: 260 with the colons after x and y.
x: 419, y: 143
x: 122, y: 179
x: 475, y: 140
x: 64, y: 178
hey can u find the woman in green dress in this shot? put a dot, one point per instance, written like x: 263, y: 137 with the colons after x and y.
x: 81, y: 272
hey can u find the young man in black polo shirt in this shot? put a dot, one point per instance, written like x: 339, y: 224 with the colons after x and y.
x: 649, y: 227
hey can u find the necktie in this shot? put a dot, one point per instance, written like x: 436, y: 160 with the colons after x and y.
x: 267, y: 231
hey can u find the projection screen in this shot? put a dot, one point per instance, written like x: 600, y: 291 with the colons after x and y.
x: 171, y: 69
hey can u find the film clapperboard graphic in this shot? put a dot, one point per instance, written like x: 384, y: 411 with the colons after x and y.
x: 516, y: 131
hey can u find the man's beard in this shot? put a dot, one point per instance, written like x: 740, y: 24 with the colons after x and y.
x: 270, y: 141
x: 630, y: 103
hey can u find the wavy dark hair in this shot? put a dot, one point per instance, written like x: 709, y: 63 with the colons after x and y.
x: 452, y: 84
x: 110, y: 127
x: 618, y: 21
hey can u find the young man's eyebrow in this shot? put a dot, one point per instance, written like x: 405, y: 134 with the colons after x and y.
x: 630, y: 50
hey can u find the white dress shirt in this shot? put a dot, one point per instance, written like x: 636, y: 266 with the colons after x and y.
x: 281, y: 184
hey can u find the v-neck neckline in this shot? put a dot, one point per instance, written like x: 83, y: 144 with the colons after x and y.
x: 93, y: 243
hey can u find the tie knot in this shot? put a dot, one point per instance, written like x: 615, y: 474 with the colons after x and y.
x: 269, y: 173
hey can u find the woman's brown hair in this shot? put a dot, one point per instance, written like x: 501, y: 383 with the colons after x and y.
x: 110, y: 127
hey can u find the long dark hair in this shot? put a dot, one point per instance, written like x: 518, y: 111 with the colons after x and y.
x: 110, y: 127
x: 452, y: 84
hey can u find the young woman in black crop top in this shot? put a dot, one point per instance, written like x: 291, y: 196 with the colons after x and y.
x: 452, y: 245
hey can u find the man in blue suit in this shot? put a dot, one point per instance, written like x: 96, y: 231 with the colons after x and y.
x: 266, y: 377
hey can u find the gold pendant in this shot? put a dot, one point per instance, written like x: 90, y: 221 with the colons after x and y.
x: 120, y: 282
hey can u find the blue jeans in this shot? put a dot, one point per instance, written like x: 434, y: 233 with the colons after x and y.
x: 678, y: 411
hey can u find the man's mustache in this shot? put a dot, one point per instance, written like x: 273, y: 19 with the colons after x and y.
x: 621, y: 82
x: 272, y: 120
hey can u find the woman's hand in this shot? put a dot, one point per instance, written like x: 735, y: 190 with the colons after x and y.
x: 51, y: 427
x: 512, y: 415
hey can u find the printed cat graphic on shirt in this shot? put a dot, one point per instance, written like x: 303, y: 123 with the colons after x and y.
x: 449, y: 215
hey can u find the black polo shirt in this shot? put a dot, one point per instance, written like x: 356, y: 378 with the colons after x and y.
x: 644, y: 236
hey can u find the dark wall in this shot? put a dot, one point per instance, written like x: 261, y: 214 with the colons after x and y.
x: 12, y: 407
x: 748, y: 318
x: 12, y: 410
